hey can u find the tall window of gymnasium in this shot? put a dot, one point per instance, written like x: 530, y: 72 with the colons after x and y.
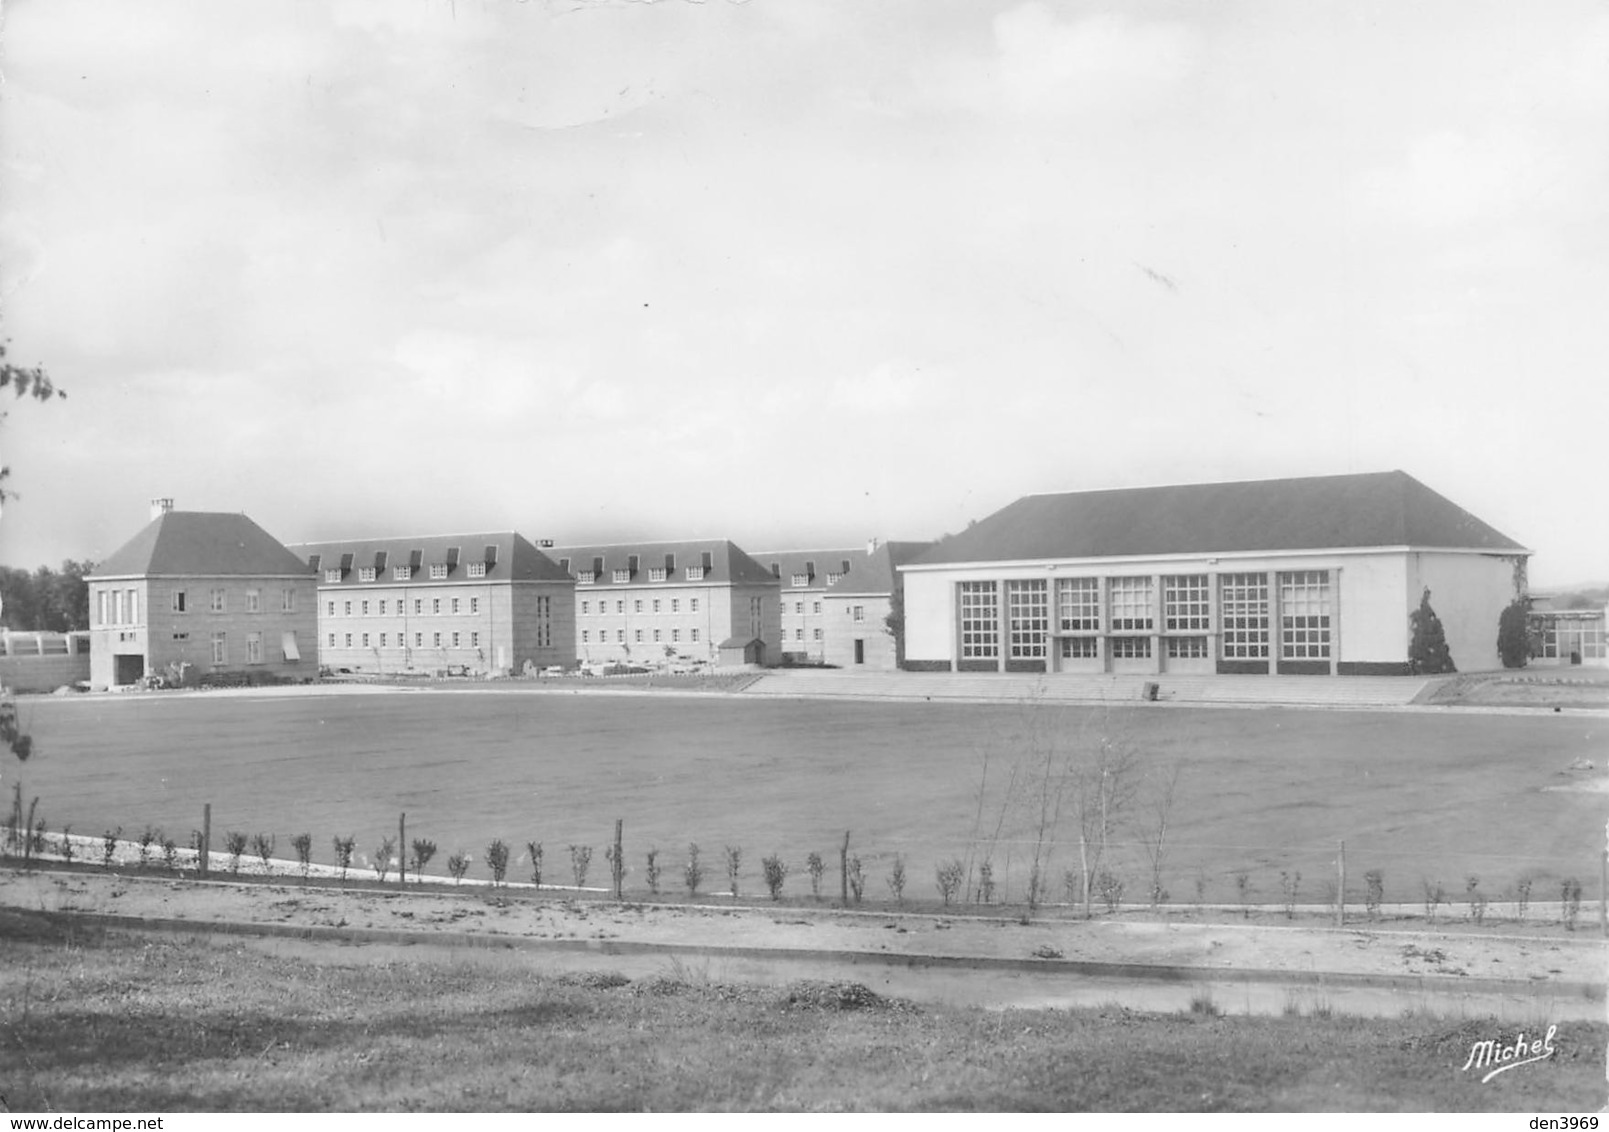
x: 1078, y: 611
x: 1186, y: 612
x: 980, y: 621
x: 1243, y: 607
x: 1304, y: 615
x: 1028, y: 614
x: 1131, y: 612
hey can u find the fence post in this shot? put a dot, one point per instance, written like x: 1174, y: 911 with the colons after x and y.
x: 619, y: 861
x: 843, y: 871
x: 402, y: 848
x: 1340, y: 889
x: 1603, y: 885
x: 202, y: 863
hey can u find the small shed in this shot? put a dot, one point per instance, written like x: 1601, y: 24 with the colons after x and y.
x: 736, y: 651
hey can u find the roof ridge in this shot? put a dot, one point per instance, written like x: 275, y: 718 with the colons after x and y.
x: 1219, y: 483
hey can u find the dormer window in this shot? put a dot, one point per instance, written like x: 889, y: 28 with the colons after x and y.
x: 400, y: 573
x: 477, y: 569
x: 365, y: 573
x: 585, y: 577
x: 695, y: 573
x: 332, y: 577
x: 800, y: 580
x: 656, y: 573
x: 620, y: 577
x: 438, y: 571
x: 834, y: 579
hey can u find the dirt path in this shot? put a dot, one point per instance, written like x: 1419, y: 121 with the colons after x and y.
x: 1521, y: 970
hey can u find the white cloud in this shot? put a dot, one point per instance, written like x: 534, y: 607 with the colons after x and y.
x: 1046, y: 65
x: 1449, y: 178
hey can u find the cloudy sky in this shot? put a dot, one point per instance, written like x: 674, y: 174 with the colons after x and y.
x: 796, y: 271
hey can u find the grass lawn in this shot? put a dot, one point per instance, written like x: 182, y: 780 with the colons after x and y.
x: 1416, y: 795
x: 106, y: 1022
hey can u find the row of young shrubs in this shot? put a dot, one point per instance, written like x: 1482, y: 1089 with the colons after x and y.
x: 950, y: 877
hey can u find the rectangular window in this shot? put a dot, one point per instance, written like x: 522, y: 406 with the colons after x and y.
x: 980, y: 621
x: 365, y: 609
x: 1243, y: 615
x: 620, y: 577
x: 833, y: 579
x: 217, y: 601
x: 1131, y: 604
x: 418, y: 605
x: 346, y: 608
x: 455, y: 640
x: 656, y: 636
x: 382, y: 609
x: 675, y: 635
x: 585, y: 577
x: 220, y: 648
x: 134, y: 607
x: 585, y: 608
x: 400, y: 573
x: 798, y: 634
x: 1304, y: 615
x: 693, y: 633
x: 418, y: 640
x: 585, y: 636
x: 365, y: 640
x: 287, y: 601
x: 1028, y: 610
x: 474, y: 605
x: 438, y: 571
x: 636, y: 606
x: 1187, y: 648
x: 1080, y: 648
x: 474, y: 640
x: 365, y: 573
x: 860, y: 611
x: 1078, y: 606
x: 382, y: 640
x: 332, y: 577
x: 253, y: 601
x: 638, y: 636
x: 332, y: 640
x: 620, y: 607
x: 435, y: 640
x: 455, y: 605
x: 329, y: 608
x: 101, y: 607
x: 798, y: 607
x: 349, y: 640
x: 675, y: 605
x: 799, y: 581
x: 656, y: 605
x: 1185, y: 604
x: 1131, y: 648
x: 695, y: 573
x: 620, y: 636
x: 816, y: 634
x: 435, y: 605
x: 178, y: 601
x: 693, y: 605
x: 477, y: 569
x: 656, y: 573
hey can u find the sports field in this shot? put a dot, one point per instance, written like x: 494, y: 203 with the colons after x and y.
x: 1417, y: 795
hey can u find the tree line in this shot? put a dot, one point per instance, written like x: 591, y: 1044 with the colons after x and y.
x: 46, y: 600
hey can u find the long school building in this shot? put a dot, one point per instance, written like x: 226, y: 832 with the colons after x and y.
x: 649, y: 602
x: 427, y: 605
x: 835, y: 604
x: 1297, y: 576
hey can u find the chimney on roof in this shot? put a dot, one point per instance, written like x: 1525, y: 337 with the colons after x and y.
x: 160, y: 507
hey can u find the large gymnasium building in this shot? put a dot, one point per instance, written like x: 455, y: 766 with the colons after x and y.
x: 1292, y: 576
